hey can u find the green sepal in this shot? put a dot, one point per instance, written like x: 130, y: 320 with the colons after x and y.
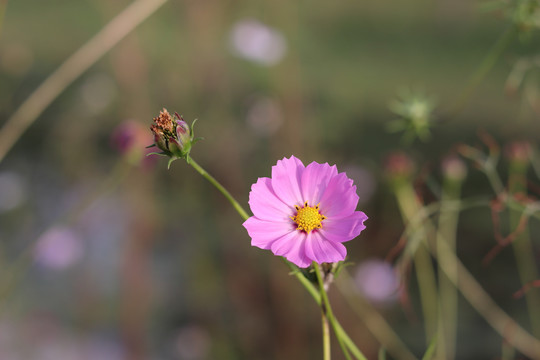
x: 196, y: 139
x: 296, y: 268
x: 295, y: 271
x: 156, y: 153
x: 170, y: 162
x: 192, y: 128
x: 149, y: 146
x: 340, y: 266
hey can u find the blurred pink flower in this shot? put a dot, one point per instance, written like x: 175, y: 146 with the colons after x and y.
x: 304, y: 213
x: 257, y: 42
x: 59, y: 248
x: 131, y: 139
x: 377, y: 281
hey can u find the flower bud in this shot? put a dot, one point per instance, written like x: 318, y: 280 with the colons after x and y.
x: 173, y: 137
x: 183, y: 133
x: 519, y: 152
x: 129, y: 138
x: 399, y: 165
x: 453, y: 168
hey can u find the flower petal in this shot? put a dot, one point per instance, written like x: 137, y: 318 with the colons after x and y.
x: 264, y: 233
x: 264, y: 203
x: 321, y: 250
x: 286, y: 177
x: 345, y: 228
x: 292, y: 247
x: 315, y: 179
x: 340, y: 198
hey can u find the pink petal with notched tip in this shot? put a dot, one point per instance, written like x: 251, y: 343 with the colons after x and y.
x: 320, y: 249
x: 264, y: 203
x: 340, y: 198
x: 345, y: 228
x: 286, y: 177
x: 272, y: 201
x: 315, y: 179
x: 264, y: 233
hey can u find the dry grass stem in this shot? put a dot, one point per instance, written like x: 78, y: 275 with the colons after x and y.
x: 72, y: 68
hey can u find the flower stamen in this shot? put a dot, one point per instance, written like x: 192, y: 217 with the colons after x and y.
x: 308, y: 218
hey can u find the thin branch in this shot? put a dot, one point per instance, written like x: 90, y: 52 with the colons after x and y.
x: 471, y: 290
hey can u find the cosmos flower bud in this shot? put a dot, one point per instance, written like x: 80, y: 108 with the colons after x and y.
x: 173, y: 136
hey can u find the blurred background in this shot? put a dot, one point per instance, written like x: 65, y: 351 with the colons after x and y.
x: 105, y: 254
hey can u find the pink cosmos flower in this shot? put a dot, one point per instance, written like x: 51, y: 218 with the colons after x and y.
x: 304, y: 213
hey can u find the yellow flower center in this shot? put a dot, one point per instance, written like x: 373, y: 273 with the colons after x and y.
x: 308, y: 218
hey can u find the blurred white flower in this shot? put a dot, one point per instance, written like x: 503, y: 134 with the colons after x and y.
x: 58, y: 248
x: 264, y: 116
x: 254, y: 41
x: 97, y: 92
x: 12, y: 191
x: 377, y: 281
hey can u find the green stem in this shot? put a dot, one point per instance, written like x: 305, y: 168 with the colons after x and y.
x: 448, y: 302
x: 220, y: 187
x: 485, y: 66
x: 326, y: 336
x: 343, y: 338
x: 373, y: 320
x: 326, y: 312
x: 304, y: 281
x: 490, y: 169
x: 425, y: 274
x: 342, y: 334
x: 329, y: 314
x: 471, y: 290
x: 523, y: 249
x: 479, y: 299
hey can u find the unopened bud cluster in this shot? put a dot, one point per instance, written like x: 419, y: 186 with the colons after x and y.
x: 173, y: 136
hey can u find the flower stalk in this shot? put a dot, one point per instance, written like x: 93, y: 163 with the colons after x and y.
x: 483, y: 69
x: 454, y: 172
x: 320, y: 296
x: 220, y: 187
x: 174, y: 137
x: 328, y: 315
x: 399, y: 170
x: 523, y: 249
